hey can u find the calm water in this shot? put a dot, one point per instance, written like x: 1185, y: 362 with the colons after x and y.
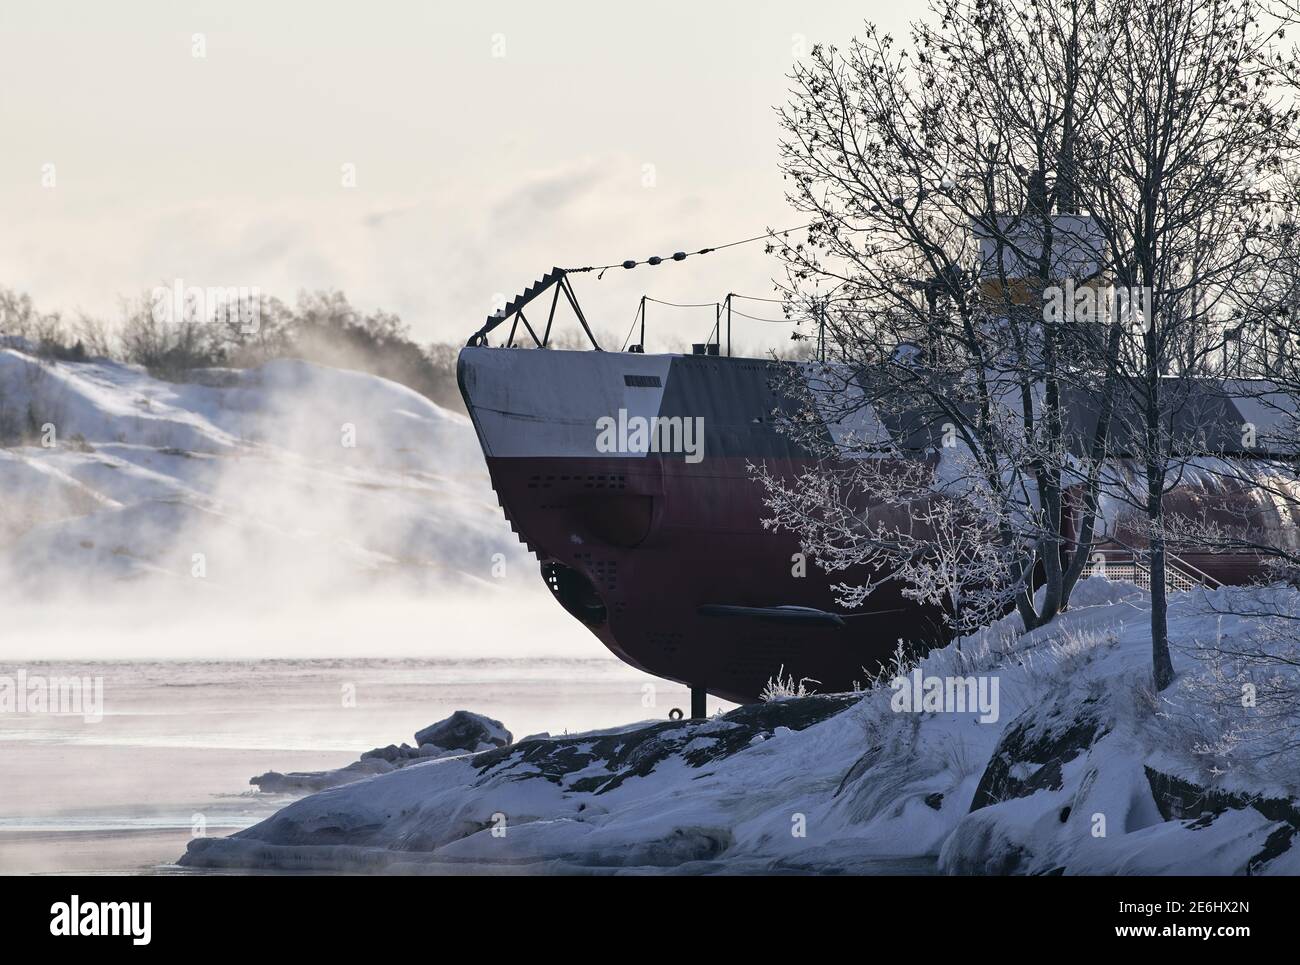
x: 179, y: 740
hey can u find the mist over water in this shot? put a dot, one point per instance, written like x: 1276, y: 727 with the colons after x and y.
x: 470, y: 624
x: 289, y: 510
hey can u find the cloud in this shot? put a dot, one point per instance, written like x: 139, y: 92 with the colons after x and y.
x: 441, y: 260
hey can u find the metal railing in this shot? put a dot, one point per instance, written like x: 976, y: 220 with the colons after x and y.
x: 1135, y: 567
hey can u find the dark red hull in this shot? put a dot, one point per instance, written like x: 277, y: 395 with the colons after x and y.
x: 657, y: 540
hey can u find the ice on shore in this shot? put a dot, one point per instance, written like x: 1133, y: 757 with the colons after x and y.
x: 461, y: 733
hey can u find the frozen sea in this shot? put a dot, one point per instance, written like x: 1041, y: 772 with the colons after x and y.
x: 179, y: 740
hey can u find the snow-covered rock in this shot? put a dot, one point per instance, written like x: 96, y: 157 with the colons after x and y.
x: 556, y: 799
x: 464, y: 731
x: 305, y: 782
x: 1083, y: 771
x: 1068, y: 791
x: 461, y: 733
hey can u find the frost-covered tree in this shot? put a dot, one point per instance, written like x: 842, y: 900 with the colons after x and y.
x: 942, y: 179
x: 1193, y: 139
x: 1011, y: 152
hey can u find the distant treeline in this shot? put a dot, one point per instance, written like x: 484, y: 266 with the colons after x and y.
x: 319, y: 327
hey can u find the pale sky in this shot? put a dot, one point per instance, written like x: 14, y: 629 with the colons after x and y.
x: 490, y: 142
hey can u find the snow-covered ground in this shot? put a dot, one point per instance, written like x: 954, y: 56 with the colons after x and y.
x: 1083, y: 771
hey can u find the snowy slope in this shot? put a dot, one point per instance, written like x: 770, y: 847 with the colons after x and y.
x: 287, y: 478
x: 850, y: 783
